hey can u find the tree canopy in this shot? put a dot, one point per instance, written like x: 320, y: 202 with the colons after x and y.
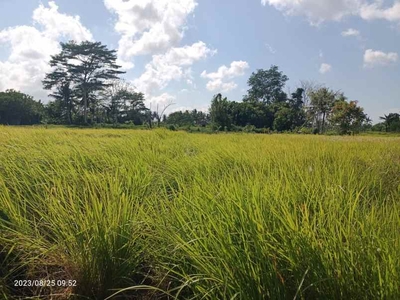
x: 17, y: 108
x: 79, y: 71
x: 267, y: 86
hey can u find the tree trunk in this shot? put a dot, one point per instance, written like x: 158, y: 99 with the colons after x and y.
x: 69, y: 113
x: 85, y: 105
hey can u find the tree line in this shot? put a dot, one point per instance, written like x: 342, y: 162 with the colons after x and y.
x: 86, y: 88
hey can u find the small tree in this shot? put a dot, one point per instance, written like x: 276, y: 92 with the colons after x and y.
x: 159, y: 113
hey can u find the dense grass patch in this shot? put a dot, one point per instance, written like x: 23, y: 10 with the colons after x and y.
x: 152, y: 214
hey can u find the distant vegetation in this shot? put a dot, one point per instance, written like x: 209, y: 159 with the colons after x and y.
x: 86, y: 89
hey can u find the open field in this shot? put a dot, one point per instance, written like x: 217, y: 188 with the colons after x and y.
x: 224, y: 216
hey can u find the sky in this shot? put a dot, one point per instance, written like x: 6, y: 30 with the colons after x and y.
x: 185, y: 51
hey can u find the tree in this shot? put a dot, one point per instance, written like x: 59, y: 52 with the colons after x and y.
x: 184, y: 118
x: 88, y: 65
x: 391, y: 122
x: 322, y: 101
x: 308, y: 87
x: 63, y: 94
x: 159, y: 113
x: 267, y: 86
x: 122, y: 103
x: 297, y: 99
x: 348, y: 117
x: 17, y: 108
x: 220, y: 112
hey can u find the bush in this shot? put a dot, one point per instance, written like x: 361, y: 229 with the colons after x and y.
x: 172, y: 127
x: 249, y: 128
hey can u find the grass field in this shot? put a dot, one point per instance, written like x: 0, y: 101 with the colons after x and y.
x: 160, y: 214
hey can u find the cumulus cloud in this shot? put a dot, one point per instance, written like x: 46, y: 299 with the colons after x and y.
x: 325, y: 68
x: 56, y: 24
x: 375, y: 11
x: 149, y: 26
x: 217, y: 79
x: 173, y: 65
x: 379, y: 58
x: 31, y: 48
x: 219, y: 85
x: 160, y: 101
x: 350, y: 32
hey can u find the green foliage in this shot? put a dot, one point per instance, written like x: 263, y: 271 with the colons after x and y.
x: 185, y: 118
x: 267, y: 86
x: 220, y: 112
x: 347, y: 117
x: 172, y: 127
x: 123, y: 104
x: 82, y: 69
x: 17, y: 108
x: 322, y: 101
x: 282, y: 115
x: 391, y: 122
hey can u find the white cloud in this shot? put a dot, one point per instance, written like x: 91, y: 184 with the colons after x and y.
x: 350, y: 32
x: 325, y: 68
x: 219, y: 85
x: 56, y: 24
x: 31, y: 48
x: 149, y: 26
x: 317, y: 11
x: 161, y: 101
x: 173, y: 65
x: 375, y: 11
x: 379, y: 58
x: 236, y: 69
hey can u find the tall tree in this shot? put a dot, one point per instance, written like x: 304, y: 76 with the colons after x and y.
x: 322, y: 101
x: 60, y: 80
x: 267, y: 86
x: 220, y: 112
x: 88, y: 65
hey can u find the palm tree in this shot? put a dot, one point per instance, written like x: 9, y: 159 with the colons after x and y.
x: 385, y: 119
x: 390, y: 119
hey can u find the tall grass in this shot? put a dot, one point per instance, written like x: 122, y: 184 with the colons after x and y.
x: 228, y: 216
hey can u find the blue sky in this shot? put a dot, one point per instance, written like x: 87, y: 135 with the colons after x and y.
x: 185, y: 51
